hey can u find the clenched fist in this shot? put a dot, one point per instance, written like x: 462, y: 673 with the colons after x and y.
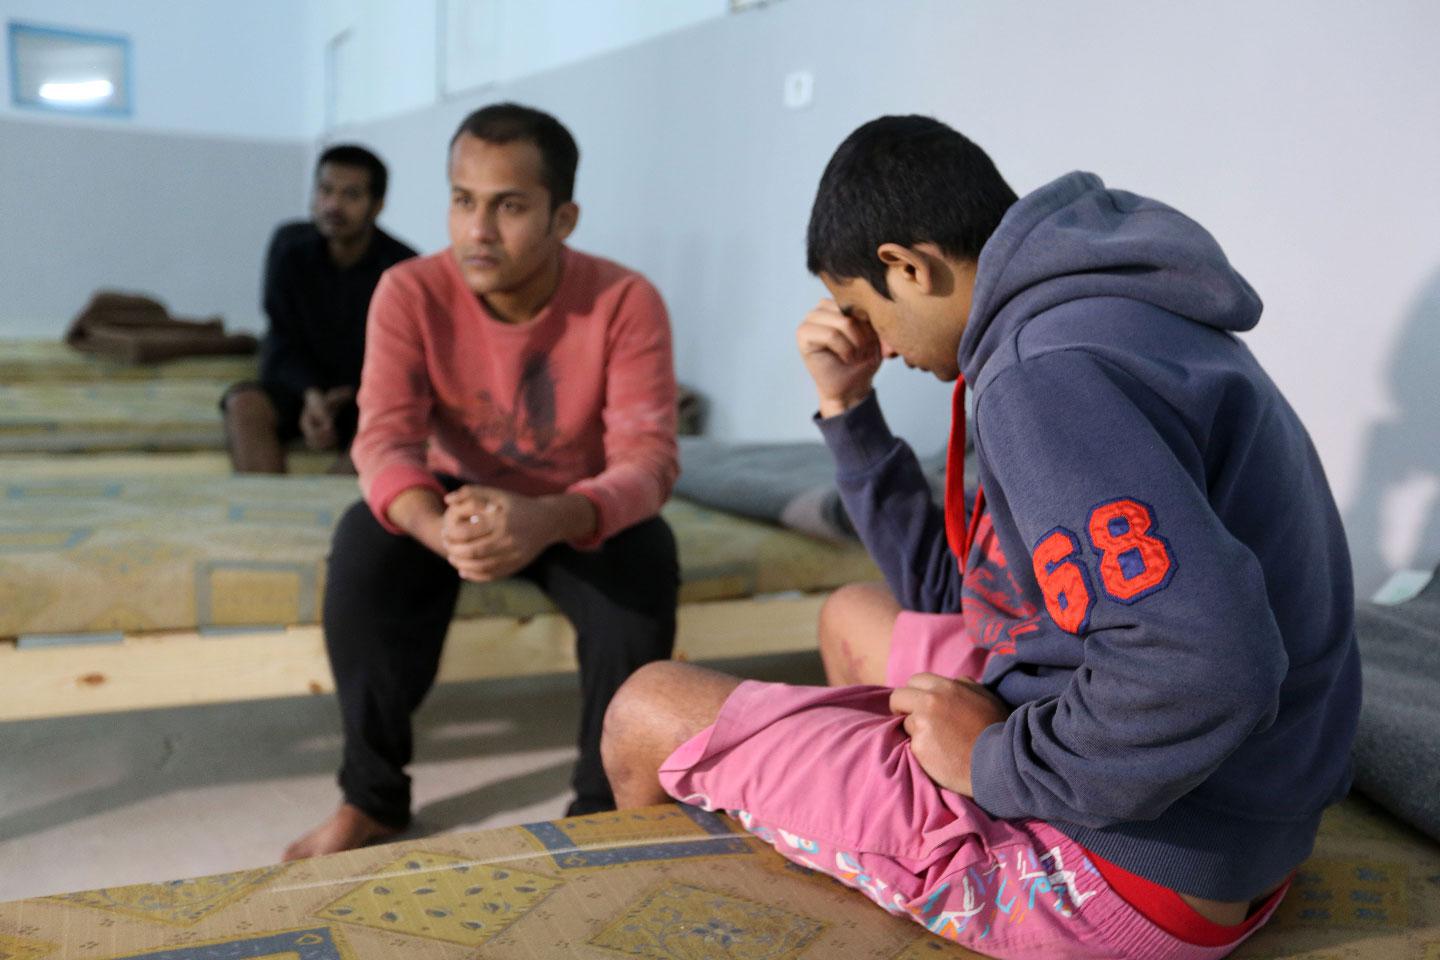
x: 944, y: 719
x: 842, y: 355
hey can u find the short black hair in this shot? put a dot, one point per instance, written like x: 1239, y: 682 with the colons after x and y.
x: 354, y: 155
x: 904, y: 180
x: 509, y: 122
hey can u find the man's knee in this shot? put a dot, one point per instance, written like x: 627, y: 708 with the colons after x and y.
x: 247, y: 404
x: 658, y: 708
x: 358, y: 532
x: 366, y: 558
x: 637, y: 712
x: 640, y: 570
x: 846, y: 607
x: 856, y: 622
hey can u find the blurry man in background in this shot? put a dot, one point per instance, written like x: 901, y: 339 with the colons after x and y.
x: 319, y: 276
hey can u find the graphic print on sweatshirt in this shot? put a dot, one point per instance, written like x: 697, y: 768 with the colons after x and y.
x: 522, y: 428
x: 997, y: 615
x: 1123, y: 559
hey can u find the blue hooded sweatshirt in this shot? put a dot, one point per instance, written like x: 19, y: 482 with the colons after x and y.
x: 1159, y: 576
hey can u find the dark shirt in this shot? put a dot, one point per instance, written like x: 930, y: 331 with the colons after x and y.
x: 317, y: 310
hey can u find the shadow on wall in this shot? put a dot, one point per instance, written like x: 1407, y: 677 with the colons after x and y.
x: 1394, y: 521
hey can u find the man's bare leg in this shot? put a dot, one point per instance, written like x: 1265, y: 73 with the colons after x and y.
x: 855, y: 627
x: 348, y: 828
x: 664, y: 704
x: 252, y: 432
x: 661, y: 706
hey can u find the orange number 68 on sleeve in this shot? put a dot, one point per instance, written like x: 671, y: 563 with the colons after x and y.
x: 1134, y: 561
x: 1062, y: 577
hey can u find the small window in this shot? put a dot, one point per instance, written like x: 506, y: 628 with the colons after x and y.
x: 68, y: 71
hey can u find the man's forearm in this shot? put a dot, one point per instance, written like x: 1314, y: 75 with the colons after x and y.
x: 887, y: 497
x: 419, y: 512
x: 573, y: 516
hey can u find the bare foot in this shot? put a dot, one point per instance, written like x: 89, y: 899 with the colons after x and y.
x: 348, y: 828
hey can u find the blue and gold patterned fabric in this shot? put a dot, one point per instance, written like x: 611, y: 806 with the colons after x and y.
x: 51, y: 361
x: 133, y: 551
x: 139, y: 415
x: 54, y: 399
x: 662, y: 883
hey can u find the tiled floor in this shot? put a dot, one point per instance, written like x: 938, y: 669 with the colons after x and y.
x: 159, y: 795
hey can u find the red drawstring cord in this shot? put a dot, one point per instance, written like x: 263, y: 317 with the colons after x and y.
x: 960, y: 536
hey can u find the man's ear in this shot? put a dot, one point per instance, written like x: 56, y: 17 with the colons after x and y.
x: 907, y: 265
x: 564, y: 219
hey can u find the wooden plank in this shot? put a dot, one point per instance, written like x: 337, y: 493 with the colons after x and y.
x: 754, y: 626
x: 183, y: 668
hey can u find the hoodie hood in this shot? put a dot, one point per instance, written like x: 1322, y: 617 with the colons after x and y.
x: 1074, y: 239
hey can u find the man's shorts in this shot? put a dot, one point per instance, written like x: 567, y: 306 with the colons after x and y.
x: 932, y: 643
x: 288, y: 407
x: 826, y: 776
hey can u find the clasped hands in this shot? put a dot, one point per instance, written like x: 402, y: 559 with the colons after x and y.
x: 489, y: 534
x: 317, y: 418
x: 944, y: 718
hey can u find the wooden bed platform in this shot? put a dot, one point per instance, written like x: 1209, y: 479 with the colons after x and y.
x: 150, y: 583
x: 171, y: 668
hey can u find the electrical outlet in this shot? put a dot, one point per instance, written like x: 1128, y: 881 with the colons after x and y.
x: 799, y: 89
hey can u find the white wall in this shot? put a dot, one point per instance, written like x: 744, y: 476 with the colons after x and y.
x: 389, y: 63
x: 490, y: 41
x: 184, y: 218
x: 201, y: 66
x: 179, y: 198
x: 401, y: 56
x: 1302, y: 133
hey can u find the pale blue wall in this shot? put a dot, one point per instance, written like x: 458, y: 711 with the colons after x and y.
x: 1301, y: 133
x: 178, y: 198
x: 199, y: 66
x: 184, y: 218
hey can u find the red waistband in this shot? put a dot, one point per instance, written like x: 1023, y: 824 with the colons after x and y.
x: 1168, y: 910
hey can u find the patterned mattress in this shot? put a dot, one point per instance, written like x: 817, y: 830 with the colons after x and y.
x: 50, y: 361
x: 80, y: 417
x: 131, y: 551
x: 663, y: 882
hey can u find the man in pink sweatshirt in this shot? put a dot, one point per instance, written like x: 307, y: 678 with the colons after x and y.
x: 517, y: 418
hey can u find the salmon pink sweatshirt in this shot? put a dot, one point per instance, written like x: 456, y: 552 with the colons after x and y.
x: 579, y: 399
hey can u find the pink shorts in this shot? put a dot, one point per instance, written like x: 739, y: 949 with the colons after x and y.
x: 932, y: 643
x: 826, y: 776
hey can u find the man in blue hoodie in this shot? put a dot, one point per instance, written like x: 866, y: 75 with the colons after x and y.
x: 1124, y: 683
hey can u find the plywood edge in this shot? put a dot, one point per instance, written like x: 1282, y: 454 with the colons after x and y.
x: 175, y: 668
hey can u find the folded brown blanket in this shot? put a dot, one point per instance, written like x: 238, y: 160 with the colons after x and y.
x: 130, y: 328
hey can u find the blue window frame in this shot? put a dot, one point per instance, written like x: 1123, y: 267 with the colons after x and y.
x: 70, y: 71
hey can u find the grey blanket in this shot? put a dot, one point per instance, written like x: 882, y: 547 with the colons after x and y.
x: 792, y: 484
x: 1397, y: 748
x: 756, y: 480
